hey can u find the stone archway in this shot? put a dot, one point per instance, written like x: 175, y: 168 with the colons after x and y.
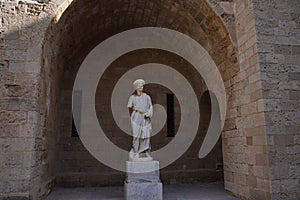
x: 35, y: 64
x: 84, y: 24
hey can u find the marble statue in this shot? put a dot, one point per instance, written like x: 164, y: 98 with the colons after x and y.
x: 140, y: 108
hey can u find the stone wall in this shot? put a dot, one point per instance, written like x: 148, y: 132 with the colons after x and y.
x: 79, y: 168
x: 261, y: 134
x: 40, y: 75
x: 244, y: 141
x: 226, y: 11
x: 26, y: 145
x: 76, y: 167
x: 278, y: 42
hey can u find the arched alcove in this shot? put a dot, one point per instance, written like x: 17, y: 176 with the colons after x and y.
x: 83, y: 25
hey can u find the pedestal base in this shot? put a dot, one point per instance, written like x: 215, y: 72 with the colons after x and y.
x: 143, y: 191
x: 143, y: 182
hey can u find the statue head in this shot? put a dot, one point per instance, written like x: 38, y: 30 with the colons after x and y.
x: 139, y: 85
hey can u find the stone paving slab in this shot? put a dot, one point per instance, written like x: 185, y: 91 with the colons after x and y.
x: 209, y: 191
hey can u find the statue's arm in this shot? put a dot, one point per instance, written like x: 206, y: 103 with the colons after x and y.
x: 130, y: 110
x: 149, y: 113
x: 130, y: 105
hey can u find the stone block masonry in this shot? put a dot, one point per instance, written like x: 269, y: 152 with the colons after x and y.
x: 43, y: 42
x: 25, y: 151
x: 278, y: 42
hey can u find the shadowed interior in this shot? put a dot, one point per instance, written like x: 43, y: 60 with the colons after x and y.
x: 66, y: 47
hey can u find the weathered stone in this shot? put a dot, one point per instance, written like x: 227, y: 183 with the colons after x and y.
x: 284, y: 139
x: 13, y: 116
x: 16, y: 144
x: 140, y: 191
x: 143, y: 181
x: 14, y: 186
x: 40, y: 61
x: 7, y: 78
x: 17, y: 66
x: 4, y: 65
x: 294, y: 95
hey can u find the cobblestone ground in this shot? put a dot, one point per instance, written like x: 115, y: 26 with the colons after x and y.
x: 210, y: 191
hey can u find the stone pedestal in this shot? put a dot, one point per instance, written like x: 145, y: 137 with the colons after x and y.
x: 143, y: 181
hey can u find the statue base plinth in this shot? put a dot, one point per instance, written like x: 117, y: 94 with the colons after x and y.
x: 143, y: 181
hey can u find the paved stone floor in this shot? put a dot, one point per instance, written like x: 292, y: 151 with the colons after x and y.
x: 210, y: 191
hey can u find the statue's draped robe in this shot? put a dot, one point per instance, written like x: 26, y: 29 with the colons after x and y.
x: 141, y: 121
